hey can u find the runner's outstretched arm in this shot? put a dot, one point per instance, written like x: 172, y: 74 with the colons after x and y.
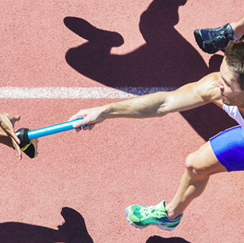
x: 156, y: 104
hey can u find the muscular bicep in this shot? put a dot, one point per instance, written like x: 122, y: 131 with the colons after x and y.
x: 184, y: 98
x: 192, y: 95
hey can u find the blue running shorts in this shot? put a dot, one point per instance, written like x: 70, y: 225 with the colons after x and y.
x: 228, y: 147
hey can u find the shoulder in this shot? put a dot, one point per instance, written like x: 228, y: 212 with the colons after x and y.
x: 208, y: 90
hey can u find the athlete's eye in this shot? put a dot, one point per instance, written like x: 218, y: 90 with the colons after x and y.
x: 227, y: 84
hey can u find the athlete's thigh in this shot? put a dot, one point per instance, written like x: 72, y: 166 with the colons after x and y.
x: 206, y: 161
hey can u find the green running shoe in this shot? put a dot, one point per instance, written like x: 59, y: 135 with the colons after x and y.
x: 141, y: 217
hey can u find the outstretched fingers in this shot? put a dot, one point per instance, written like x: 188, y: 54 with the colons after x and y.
x: 7, y: 122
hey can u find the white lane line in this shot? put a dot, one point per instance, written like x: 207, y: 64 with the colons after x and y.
x: 77, y: 92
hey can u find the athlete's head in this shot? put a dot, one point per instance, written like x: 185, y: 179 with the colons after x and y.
x: 231, y: 81
x: 230, y: 90
x: 234, y: 56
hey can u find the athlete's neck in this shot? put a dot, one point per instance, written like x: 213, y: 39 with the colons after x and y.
x: 241, y: 111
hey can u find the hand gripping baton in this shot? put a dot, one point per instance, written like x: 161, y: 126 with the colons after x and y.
x: 26, y: 136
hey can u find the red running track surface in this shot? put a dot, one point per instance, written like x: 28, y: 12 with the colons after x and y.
x: 95, y: 175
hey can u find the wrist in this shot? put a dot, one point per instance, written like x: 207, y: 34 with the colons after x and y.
x: 107, y: 111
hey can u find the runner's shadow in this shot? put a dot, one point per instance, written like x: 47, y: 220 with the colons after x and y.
x: 166, y: 60
x: 158, y: 239
x: 72, y: 231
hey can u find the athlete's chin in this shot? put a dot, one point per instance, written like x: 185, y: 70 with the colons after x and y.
x: 226, y: 102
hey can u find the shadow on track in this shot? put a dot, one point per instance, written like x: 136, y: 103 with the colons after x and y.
x: 158, y: 239
x: 166, y: 60
x: 72, y: 231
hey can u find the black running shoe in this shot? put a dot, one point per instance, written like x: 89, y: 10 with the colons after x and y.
x: 213, y: 40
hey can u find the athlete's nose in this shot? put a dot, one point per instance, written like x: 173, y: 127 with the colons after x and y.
x: 220, y: 84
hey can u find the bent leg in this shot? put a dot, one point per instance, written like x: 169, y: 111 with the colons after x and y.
x: 199, y: 166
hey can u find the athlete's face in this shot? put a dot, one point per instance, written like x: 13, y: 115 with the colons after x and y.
x: 231, y: 92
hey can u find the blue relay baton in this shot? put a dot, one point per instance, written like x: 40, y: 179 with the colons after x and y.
x: 45, y: 131
x: 26, y: 136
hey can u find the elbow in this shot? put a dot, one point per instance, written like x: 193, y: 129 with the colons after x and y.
x: 162, y: 111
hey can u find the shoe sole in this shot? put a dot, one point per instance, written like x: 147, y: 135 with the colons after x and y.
x: 143, y: 227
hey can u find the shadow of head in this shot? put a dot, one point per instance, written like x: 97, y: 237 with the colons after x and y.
x: 159, y: 19
x: 164, y: 13
x: 158, y: 239
x: 72, y: 231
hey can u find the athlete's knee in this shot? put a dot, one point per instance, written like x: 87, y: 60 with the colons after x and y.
x: 194, y: 167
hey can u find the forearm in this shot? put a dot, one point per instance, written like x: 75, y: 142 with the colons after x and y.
x: 140, y: 107
x: 157, y: 104
x: 187, y: 97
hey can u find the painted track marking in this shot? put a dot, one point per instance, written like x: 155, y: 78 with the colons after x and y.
x: 77, y: 92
